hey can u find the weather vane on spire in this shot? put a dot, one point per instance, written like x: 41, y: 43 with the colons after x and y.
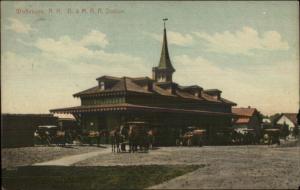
x: 165, y: 19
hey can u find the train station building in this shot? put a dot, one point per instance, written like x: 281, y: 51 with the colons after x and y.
x: 166, y: 105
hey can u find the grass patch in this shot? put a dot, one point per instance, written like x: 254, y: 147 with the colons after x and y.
x: 91, y: 177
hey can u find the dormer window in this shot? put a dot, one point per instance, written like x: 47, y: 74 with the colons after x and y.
x: 196, y: 94
x: 102, y: 85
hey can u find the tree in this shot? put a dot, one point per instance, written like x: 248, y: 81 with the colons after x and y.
x: 274, y: 117
x: 298, y: 117
x: 296, y: 131
x: 261, y: 116
x: 284, y: 132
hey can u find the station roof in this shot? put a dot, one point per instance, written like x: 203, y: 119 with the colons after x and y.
x: 131, y: 107
x: 145, y: 85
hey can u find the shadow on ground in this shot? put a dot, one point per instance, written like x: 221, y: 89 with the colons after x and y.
x: 91, y: 177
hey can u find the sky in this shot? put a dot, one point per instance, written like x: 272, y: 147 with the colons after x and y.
x: 52, y: 50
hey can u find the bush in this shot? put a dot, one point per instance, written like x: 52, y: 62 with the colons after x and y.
x: 284, y: 132
x: 296, y: 131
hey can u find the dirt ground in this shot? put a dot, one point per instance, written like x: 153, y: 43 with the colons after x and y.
x: 238, y: 167
x: 247, y: 167
x: 225, y: 166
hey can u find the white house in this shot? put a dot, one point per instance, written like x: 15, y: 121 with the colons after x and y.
x: 289, y: 119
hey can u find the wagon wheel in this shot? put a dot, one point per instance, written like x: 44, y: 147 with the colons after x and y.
x: 48, y: 140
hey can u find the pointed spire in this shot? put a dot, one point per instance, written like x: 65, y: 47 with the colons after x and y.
x: 165, y: 62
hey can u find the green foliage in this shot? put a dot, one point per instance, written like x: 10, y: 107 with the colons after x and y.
x: 284, y: 132
x: 261, y: 117
x: 274, y: 117
x: 90, y: 177
x: 296, y: 131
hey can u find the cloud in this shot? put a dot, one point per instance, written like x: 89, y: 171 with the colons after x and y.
x: 67, y: 48
x: 271, y: 89
x: 61, y: 67
x: 19, y: 27
x: 37, y: 83
x: 64, y: 47
x: 95, y: 38
x: 175, y: 38
x: 243, y: 41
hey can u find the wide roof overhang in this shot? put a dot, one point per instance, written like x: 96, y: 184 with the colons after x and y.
x: 132, y: 107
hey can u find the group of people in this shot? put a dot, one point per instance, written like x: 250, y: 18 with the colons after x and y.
x: 136, y: 137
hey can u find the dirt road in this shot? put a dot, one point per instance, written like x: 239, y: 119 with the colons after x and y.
x: 14, y: 157
x: 70, y: 160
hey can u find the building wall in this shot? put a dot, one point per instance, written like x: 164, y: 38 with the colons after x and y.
x: 102, y: 100
x: 113, y: 120
x: 17, y: 130
x: 67, y: 123
x: 100, y: 121
x: 168, y: 125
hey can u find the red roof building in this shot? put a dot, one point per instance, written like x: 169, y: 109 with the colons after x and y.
x: 246, y: 118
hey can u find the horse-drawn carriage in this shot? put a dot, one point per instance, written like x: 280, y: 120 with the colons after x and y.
x: 50, y: 134
x: 244, y: 136
x: 89, y: 137
x: 136, y: 134
x: 193, y: 137
x: 271, y: 136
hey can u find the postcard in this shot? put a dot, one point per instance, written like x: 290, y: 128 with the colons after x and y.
x: 156, y: 95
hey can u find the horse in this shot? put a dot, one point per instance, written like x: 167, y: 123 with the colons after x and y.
x: 43, y: 137
x: 124, y: 132
x: 132, y: 139
x: 151, y: 137
x: 59, y: 138
x: 94, y: 135
x: 115, y: 138
x: 138, y: 136
x: 271, y: 138
x: 192, y: 138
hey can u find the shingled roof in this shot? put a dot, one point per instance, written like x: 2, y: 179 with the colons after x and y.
x: 247, y: 112
x: 243, y: 115
x: 146, y: 85
x: 121, y: 85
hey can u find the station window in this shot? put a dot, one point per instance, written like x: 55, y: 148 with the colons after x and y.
x: 102, y: 85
